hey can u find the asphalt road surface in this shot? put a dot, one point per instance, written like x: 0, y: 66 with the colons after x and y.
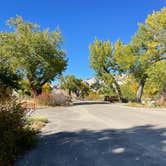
x: 100, y: 135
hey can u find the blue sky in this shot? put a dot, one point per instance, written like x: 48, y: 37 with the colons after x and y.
x: 81, y: 21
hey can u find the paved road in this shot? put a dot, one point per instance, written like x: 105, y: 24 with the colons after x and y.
x: 100, y: 135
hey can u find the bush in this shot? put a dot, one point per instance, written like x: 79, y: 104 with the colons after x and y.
x: 15, y: 135
x: 59, y: 97
x: 161, y: 102
x: 54, y: 98
x: 129, y: 89
x: 43, y: 99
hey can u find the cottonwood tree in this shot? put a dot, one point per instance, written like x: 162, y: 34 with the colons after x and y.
x: 74, y: 85
x: 84, y: 90
x: 103, y: 61
x: 9, y: 76
x: 145, y: 50
x: 38, y: 52
x: 157, y: 78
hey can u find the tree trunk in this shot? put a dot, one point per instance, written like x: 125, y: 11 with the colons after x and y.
x: 69, y: 92
x: 140, y: 91
x: 77, y: 93
x: 39, y: 90
x: 118, y: 90
x: 36, y: 90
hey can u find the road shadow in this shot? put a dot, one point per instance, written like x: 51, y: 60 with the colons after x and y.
x: 90, y: 102
x: 137, y: 146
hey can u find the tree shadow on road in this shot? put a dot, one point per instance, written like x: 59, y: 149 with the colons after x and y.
x: 90, y: 102
x: 137, y: 146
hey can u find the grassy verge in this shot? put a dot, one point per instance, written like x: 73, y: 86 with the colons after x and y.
x: 18, y: 133
x: 139, y: 105
x: 136, y: 105
x: 37, y: 122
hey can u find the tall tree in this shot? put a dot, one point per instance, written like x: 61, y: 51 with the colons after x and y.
x: 157, y: 77
x: 102, y: 60
x: 74, y: 85
x: 145, y: 49
x: 70, y: 83
x: 9, y: 76
x: 40, y: 56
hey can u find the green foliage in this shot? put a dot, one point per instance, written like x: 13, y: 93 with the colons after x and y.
x: 9, y: 76
x: 32, y: 120
x: 145, y: 50
x: 103, y: 87
x: 46, y: 88
x: 96, y: 87
x: 156, y: 82
x: 74, y: 85
x: 102, y: 60
x: 84, y: 90
x: 8, y: 79
x: 35, y: 53
x: 129, y: 89
x: 93, y: 96
x: 16, y: 136
x: 107, y: 87
x: 37, y: 122
x: 25, y: 88
x: 102, y: 53
x: 70, y: 83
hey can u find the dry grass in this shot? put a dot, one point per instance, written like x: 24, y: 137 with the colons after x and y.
x: 161, y: 102
x: 135, y: 105
x: 94, y: 97
x: 45, y: 100
x: 38, y: 122
x: 158, y: 104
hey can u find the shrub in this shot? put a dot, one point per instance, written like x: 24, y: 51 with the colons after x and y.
x: 54, y: 98
x: 15, y: 135
x: 161, y: 102
x: 43, y: 99
x: 59, y: 97
x: 129, y: 89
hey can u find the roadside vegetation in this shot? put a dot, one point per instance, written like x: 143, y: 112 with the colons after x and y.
x: 143, y: 61
x: 16, y: 135
x: 31, y: 58
x: 37, y: 122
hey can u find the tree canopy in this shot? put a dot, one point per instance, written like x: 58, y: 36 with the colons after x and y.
x: 37, y: 53
x: 102, y: 60
x: 146, y: 49
x: 74, y: 85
